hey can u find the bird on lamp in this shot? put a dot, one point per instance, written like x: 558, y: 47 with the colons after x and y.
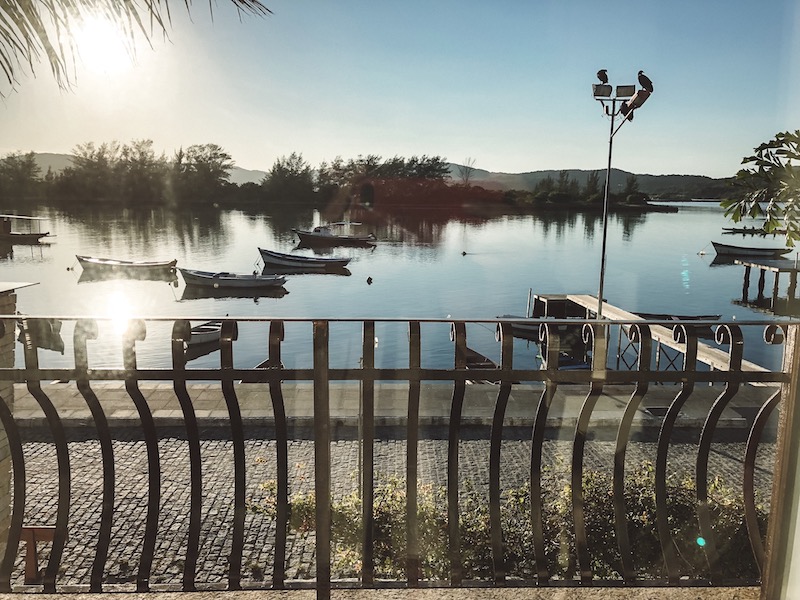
x: 645, y: 82
x: 602, y: 75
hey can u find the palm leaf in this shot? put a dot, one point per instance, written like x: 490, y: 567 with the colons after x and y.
x: 32, y: 30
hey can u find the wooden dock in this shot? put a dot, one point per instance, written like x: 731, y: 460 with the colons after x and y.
x: 713, y: 357
x: 777, y: 267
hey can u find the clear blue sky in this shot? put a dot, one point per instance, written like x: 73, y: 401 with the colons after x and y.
x: 505, y: 83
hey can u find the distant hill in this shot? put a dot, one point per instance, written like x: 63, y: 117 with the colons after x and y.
x: 659, y: 186
x: 663, y: 186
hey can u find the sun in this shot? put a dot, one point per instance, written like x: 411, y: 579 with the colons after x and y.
x: 101, y: 46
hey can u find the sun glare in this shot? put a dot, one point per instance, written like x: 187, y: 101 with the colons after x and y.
x: 119, y: 310
x: 101, y: 46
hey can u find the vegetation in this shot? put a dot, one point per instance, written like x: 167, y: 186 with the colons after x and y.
x: 771, y: 186
x: 735, y: 562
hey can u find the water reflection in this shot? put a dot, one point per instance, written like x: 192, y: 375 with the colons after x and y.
x: 194, y: 292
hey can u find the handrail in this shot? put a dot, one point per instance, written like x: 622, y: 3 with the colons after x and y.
x: 588, y: 388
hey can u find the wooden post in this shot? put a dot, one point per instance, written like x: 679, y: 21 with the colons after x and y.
x: 746, y: 284
x: 762, y: 273
x: 792, y: 286
x: 775, y: 290
x: 782, y: 573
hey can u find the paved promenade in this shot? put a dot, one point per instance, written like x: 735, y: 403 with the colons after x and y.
x: 390, y: 450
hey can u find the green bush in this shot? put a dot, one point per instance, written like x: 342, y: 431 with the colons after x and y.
x: 736, y: 561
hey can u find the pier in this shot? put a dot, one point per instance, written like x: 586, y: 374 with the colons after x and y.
x: 774, y: 303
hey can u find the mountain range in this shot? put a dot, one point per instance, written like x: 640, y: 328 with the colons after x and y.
x: 663, y: 186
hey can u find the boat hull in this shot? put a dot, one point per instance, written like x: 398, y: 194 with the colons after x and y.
x: 312, y: 238
x: 280, y: 261
x: 728, y: 250
x: 230, y: 280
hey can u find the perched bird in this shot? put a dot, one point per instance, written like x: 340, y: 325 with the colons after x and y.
x: 645, y: 82
x: 602, y: 75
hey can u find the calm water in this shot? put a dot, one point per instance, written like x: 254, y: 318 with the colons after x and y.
x: 658, y: 262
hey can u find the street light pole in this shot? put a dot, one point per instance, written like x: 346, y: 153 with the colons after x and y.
x: 629, y: 99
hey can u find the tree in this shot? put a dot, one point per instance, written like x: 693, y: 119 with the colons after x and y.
x: 466, y: 170
x: 201, y: 172
x: 19, y: 175
x: 770, y: 186
x: 30, y: 29
x: 289, y: 180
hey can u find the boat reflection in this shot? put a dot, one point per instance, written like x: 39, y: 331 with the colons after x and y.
x: 197, y: 292
x: 95, y: 275
x: 343, y: 271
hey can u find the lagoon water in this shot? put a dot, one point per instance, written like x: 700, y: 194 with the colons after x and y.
x: 470, y: 268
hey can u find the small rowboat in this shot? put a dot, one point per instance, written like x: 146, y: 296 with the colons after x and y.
x: 323, y: 236
x: 205, y: 333
x: 231, y: 280
x: 728, y: 250
x: 279, y: 261
x: 91, y: 262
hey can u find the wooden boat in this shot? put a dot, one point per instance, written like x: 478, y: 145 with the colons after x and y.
x: 91, y: 263
x: 264, y: 365
x: 205, y: 333
x: 476, y: 360
x: 278, y: 261
x: 195, y: 292
x: 224, y: 279
x: 33, y: 235
x: 323, y: 235
x: 752, y: 231
x: 728, y: 250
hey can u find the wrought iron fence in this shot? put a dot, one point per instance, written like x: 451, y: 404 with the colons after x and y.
x: 728, y: 374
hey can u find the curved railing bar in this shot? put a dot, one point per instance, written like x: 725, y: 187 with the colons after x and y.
x: 638, y: 333
x: 458, y: 333
x: 368, y: 454
x: 137, y: 332
x: 181, y: 332
x: 595, y: 335
x: 322, y: 455
x: 62, y: 459
x: 549, y: 341
x: 668, y: 548
x: 748, y: 481
x: 506, y: 365
x: 227, y: 335
x: 732, y: 336
x: 412, y: 454
x: 18, y: 501
x: 86, y: 329
x: 276, y: 335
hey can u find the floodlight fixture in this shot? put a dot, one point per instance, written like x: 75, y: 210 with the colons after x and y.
x: 601, y: 90
x: 625, y: 91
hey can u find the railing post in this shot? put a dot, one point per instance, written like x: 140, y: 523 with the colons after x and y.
x: 782, y: 564
x: 322, y: 458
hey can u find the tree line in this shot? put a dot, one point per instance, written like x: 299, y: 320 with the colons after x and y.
x: 134, y: 174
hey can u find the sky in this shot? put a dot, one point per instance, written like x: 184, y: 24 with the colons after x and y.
x: 505, y: 84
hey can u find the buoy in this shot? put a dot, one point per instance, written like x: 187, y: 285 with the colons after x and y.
x: 369, y: 280
x: 464, y: 253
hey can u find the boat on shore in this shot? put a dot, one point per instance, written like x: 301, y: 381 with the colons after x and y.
x: 728, y: 250
x: 280, y: 262
x: 223, y: 279
x: 323, y: 235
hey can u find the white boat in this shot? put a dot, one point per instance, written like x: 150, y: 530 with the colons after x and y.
x: 223, y: 279
x: 728, y: 250
x: 113, y: 264
x: 278, y: 260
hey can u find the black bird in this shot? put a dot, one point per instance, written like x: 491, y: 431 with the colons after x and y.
x: 602, y: 75
x: 645, y: 82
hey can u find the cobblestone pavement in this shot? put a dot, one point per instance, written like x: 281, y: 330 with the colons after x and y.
x: 131, y: 492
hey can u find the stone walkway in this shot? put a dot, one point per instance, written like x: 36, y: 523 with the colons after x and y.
x: 217, y: 455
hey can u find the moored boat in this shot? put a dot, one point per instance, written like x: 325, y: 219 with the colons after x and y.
x: 323, y: 235
x: 278, y: 261
x: 33, y: 235
x: 728, y: 250
x: 91, y: 262
x: 205, y: 333
x: 224, y: 279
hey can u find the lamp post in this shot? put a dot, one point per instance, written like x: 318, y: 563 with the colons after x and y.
x: 625, y: 100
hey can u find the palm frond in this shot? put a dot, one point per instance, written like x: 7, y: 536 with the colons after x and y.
x: 36, y: 30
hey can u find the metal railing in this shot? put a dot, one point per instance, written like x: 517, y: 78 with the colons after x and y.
x: 548, y: 379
